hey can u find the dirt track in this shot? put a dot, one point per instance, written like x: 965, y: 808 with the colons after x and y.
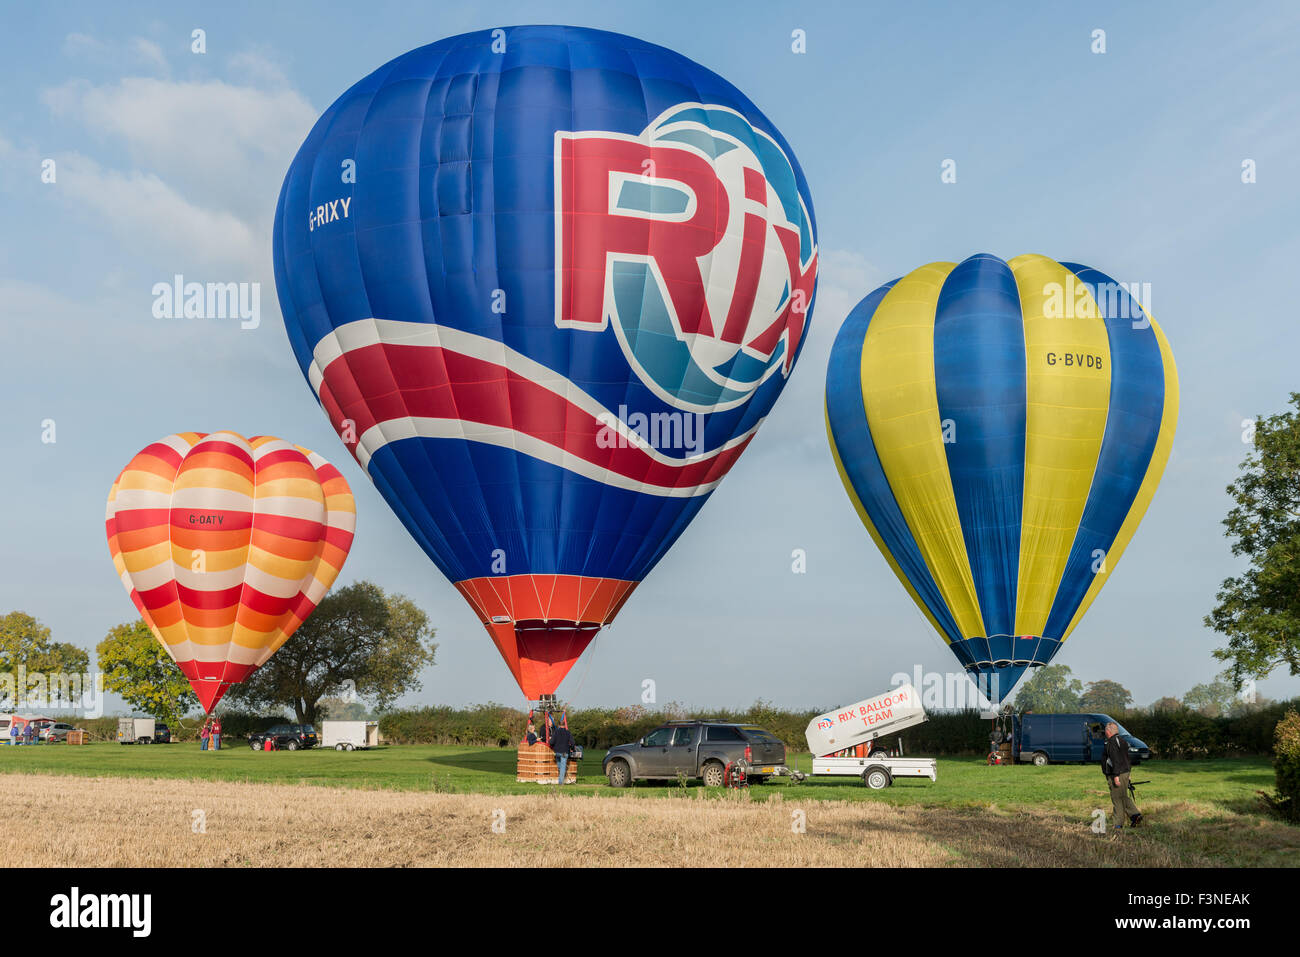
x: 116, y: 822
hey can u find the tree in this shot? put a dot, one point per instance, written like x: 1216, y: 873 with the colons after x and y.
x: 137, y: 667
x: 1166, y: 704
x: 1212, y: 699
x: 27, y: 644
x: 358, y: 641
x: 1050, y: 689
x: 1106, y: 697
x: 1259, y: 610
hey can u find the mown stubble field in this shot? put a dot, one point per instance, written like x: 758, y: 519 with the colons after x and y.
x: 116, y: 822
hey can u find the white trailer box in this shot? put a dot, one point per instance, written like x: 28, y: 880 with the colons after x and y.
x: 135, y: 730
x: 349, y: 735
x: 860, y: 724
x: 865, y: 721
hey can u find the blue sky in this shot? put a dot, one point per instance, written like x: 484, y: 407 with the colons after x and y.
x: 170, y: 162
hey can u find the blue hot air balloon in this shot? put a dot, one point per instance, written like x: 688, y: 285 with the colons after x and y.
x: 1001, y: 428
x: 546, y: 282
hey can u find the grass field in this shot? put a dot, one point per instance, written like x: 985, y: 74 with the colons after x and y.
x: 1199, y: 812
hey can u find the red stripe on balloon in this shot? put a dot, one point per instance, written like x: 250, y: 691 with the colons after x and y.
x: 432, y: 382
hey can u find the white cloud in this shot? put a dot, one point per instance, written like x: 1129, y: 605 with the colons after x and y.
x: 144, y: 210
x: 206, y: 136
x: 90, y: 50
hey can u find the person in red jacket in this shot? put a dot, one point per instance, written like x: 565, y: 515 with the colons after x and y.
x: 203, y: 735
x: 216, y: 733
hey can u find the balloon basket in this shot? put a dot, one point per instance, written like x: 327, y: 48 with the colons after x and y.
x: 536, y: 763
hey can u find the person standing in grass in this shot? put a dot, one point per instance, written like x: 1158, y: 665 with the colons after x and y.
x: 1116, y: 766
x: 216, y: 733
x: 203, y: 735
x: 561, y: 744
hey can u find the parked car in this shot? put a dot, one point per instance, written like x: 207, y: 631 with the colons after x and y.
x: 695, y: 749
x: 53, y: 733
x: 161, y: 733
x: 288, y: 737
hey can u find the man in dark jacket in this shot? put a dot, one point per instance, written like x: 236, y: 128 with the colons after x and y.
x: 561, y: 744
x: 1116, y: 766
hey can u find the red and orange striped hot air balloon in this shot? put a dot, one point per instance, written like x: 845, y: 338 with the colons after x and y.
x: 226, y: 545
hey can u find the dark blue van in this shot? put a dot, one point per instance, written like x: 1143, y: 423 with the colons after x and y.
x: 1041, y: 738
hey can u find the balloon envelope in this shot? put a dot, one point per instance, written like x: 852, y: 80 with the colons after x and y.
x: 546, y: 282
x: 1001, y: 428
x: 226, y: 545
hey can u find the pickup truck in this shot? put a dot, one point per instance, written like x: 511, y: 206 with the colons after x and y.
x: 695, y: 749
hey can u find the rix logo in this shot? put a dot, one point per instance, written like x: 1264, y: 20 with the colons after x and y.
x: 693, y: 240
x: 825, y: 724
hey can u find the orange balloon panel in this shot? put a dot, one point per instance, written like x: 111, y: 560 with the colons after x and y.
x: 226, y: 545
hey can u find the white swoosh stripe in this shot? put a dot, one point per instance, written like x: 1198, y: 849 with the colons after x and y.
x: 409, y: 428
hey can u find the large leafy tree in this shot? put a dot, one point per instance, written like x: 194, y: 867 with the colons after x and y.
x: 1106, y: 697
x: 1050, y: 689
x: 359, y: 641
x: 139, y: 669
x: 25, y: 642
x: 1213, y: 698
x: 1259, y: 610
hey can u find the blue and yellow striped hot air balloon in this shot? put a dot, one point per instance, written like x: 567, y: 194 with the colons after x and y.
x: 1001, y: 428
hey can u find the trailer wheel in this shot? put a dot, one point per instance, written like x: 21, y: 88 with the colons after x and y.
x: 714, y: 775
x: 347, y: 747
x: 338, y: 747
x: 619, y: 774
x: 1040, y: 759
x: 877, y: 778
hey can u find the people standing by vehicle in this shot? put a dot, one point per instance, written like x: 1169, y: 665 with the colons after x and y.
x: 29, y: 733
x: 216, y: 733
x: 203, y: 735
x: 1116, y: 766
x: 561, y: 744
x: 13, y: 733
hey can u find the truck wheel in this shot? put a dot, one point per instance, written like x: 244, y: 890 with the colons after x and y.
x: 877, y: 778
x: 1039, y: 759
x: 714, y: 775
x: 291, y: 746
x: 255, y: 745
x: 619, y: 774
